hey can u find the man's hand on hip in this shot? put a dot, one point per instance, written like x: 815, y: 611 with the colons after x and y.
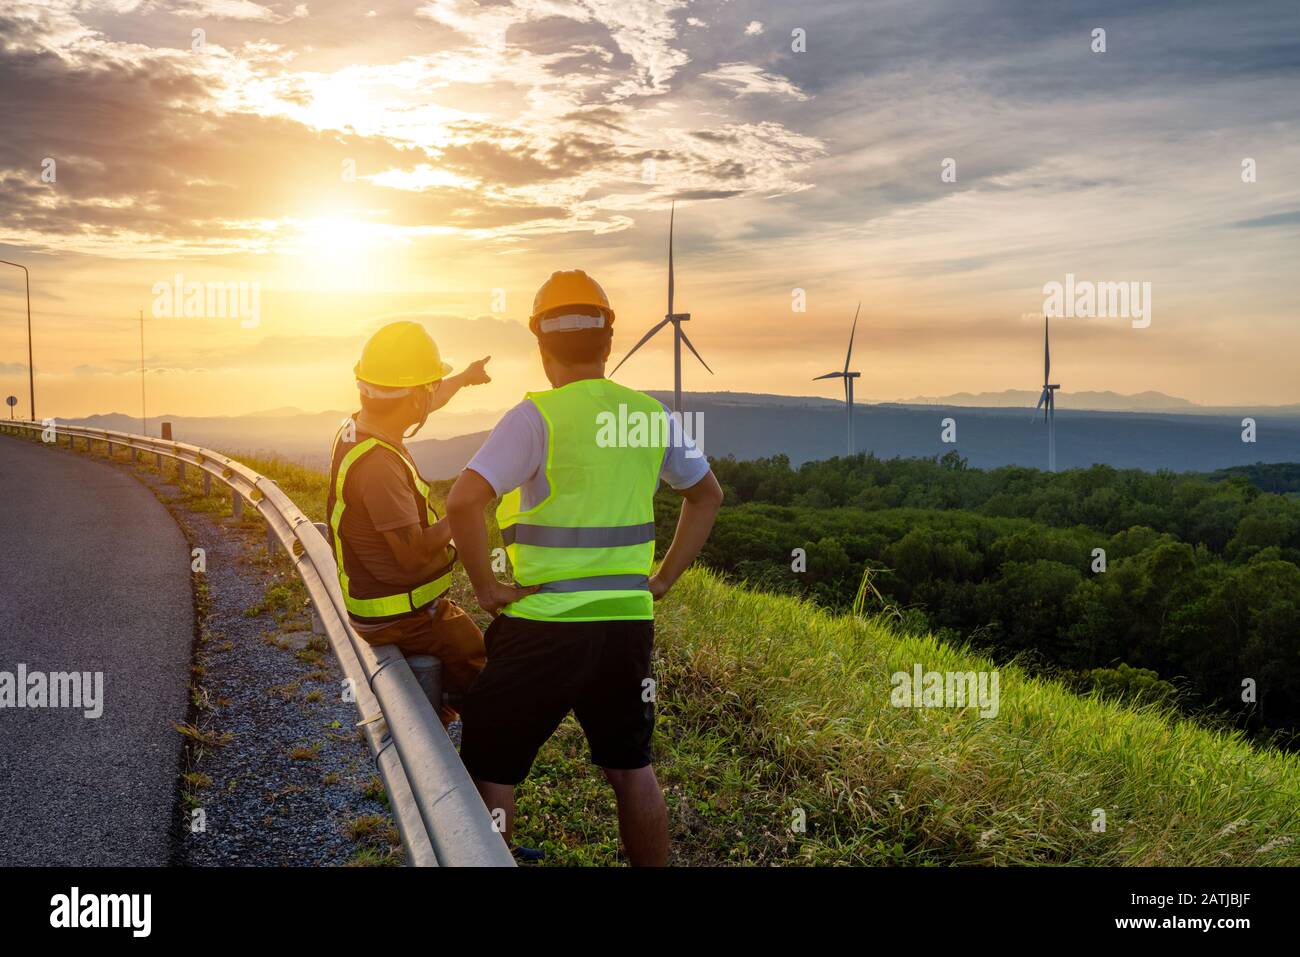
x: 499, y: 594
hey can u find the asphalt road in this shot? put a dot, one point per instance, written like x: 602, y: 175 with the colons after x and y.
x: 94, y: 577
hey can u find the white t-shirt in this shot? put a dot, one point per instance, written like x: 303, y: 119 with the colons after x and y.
x: 514, y: 456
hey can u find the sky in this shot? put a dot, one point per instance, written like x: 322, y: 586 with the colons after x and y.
x: 940, y: 163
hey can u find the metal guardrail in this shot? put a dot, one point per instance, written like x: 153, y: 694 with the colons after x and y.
x: 438, y: 811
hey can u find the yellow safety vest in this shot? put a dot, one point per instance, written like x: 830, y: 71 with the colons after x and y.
x: 387, y: 606
x: 590, y: 543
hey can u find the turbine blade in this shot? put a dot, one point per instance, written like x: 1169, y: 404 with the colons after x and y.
x: 644, y: 340
x: 672, y: 214
x: 1042, y: 397
x: 830, y: 375
x: 852, y: 332
x: 692, y: 348
x: 1047, y: 355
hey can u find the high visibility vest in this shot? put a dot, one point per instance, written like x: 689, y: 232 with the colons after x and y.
x: 383, y: 604
x: 590, y: 542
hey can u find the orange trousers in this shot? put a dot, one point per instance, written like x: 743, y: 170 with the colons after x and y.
x: 445, y: 631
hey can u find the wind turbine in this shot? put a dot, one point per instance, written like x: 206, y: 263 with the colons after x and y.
x: 1047, y: 400
x: 848, y: 377
x: 676, y: 318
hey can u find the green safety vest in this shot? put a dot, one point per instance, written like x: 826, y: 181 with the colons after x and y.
x: 590, y: 543
x: 383, y: 606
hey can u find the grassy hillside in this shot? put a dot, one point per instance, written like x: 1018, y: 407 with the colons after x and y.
x: 770, y: 707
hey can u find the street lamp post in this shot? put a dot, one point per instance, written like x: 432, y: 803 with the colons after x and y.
x: 31, y: 373
x: 144, y: 421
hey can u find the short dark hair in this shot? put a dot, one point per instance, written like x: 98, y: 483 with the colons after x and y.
x: 576, y: 346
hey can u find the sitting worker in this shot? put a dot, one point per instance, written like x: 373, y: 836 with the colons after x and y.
x: 392, y: 550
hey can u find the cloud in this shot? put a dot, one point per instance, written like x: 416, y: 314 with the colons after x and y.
x: 204, y: 173
x: 229, y: 10
x: 1290, y: 218
x: 747, y: 79
x: 753, y: 28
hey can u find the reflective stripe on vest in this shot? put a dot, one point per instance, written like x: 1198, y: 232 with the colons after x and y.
x: 558, y: 537
x: 590, y: 542
x: 387, y: 605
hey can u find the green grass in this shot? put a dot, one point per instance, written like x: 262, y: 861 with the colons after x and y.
x: 772, y: 711
x: 774, y: 705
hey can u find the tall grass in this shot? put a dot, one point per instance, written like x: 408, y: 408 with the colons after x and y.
x: 806, y: 696
x: 778, y: 743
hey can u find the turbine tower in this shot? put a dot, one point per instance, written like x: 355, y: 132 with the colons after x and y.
x: 848, y: 378
x: 1047, y: 400
x: 676, y: 318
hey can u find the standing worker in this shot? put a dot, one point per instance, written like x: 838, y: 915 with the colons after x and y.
x: 391, y: 548
x: 577, y: 519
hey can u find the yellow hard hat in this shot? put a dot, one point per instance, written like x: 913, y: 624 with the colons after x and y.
x: 401, y: 354
x: 571, y: 287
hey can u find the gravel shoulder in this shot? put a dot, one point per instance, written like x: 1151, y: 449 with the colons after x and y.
x: 277, y: 773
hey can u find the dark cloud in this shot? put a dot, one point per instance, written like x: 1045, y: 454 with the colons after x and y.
x: 707, y: 193
x: 605, y: 117
x: 1291, y: 218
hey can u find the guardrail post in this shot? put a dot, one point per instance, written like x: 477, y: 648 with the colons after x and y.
x: 180, y: 471
x: 110, y: 450
x: 317, y: 623
x: 236, y: 504
x: 207, y: 483
x: 428, y: 672
x: 158, y: 460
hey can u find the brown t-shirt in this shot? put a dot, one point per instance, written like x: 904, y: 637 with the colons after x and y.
x: 379, y: 497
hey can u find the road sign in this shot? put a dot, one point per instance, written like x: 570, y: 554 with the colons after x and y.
x: 11, y: 401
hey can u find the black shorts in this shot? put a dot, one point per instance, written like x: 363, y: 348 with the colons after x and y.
x: 539, y: 671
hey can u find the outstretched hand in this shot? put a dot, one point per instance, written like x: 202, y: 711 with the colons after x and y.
x: 476, y: 372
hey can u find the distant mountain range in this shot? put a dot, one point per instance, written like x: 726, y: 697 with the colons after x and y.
x: 1149, y: 431
x: 290, y: 433
x: 1093, y: 401
x: 1024, y: 398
